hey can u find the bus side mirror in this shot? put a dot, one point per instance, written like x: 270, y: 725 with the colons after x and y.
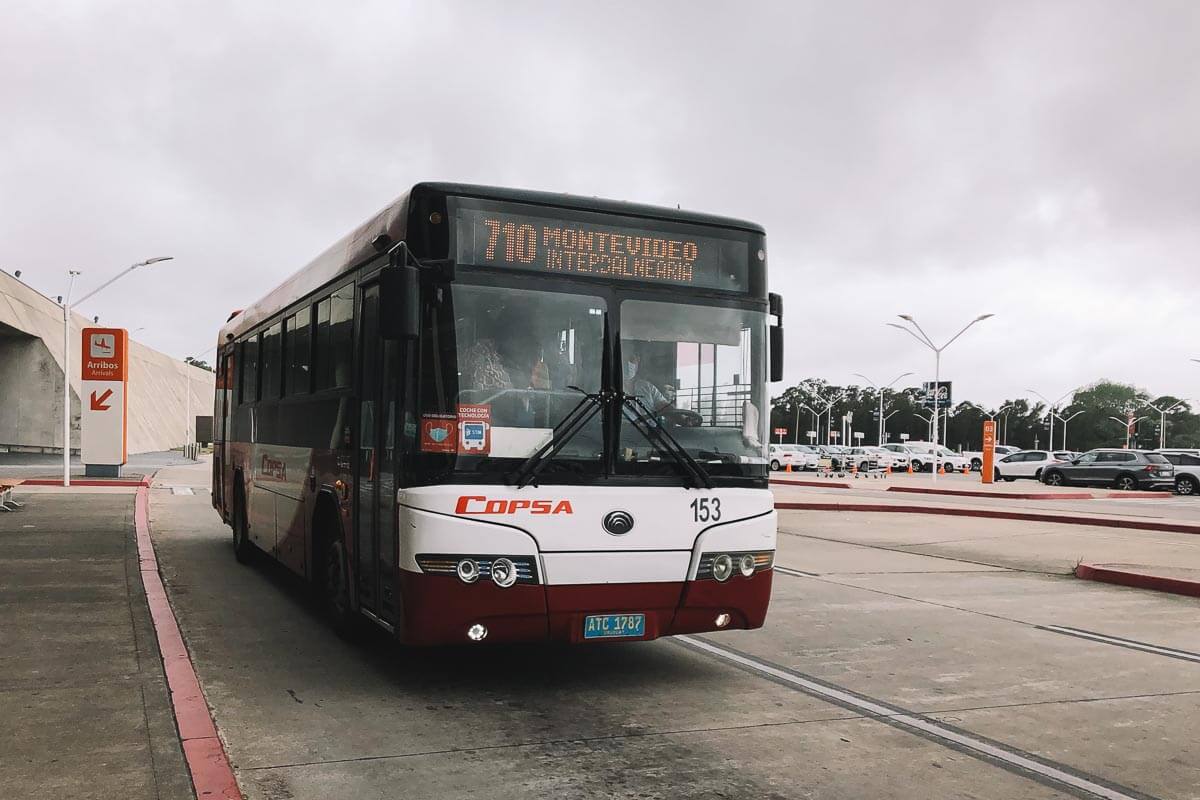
x: 776, y: 352
x: 400, y: 302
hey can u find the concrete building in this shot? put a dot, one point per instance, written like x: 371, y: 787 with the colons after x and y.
x: 31, y: 376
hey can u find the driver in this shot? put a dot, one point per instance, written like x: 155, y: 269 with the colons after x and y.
x: 645, y: 391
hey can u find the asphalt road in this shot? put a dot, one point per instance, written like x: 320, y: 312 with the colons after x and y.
x: 950, y: 658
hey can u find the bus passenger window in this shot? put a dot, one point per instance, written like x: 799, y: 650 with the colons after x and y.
x: 341, y: 323
x: 296, y: 338
x: 272, y: 363
x: 322, y: 363
x: 249, y: 377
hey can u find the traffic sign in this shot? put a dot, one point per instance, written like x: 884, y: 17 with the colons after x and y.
x: 103, y: 415
x: 780, y: 431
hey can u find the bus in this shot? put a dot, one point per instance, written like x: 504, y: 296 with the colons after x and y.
x: 498, y: 415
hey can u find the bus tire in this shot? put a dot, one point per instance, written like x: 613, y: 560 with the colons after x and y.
x: 243, y: 549
x: 332, y: 579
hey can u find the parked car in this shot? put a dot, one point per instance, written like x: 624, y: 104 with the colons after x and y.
x: 922, y: 457
x: 1122, y: 469
x: 901, y: 450
x: 868, y: 458
x: 1026, y: 464
x: 976, y: 456
x: 836, y: 454
x: 895, y: 459
x: 797, y: 455
x: 1187, y: 471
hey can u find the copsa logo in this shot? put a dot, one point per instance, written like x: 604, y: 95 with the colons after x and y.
x: 474, y: 504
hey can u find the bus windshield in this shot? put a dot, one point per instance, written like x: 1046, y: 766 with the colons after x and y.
x: 698, y: 370
x: 519, y: 367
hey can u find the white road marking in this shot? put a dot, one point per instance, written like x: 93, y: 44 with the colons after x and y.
x: 1129, y: 643
x: 181, y: 490
x: 796, y: 572
x: 924, y: 726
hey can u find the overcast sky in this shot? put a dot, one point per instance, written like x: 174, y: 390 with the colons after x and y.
x: 1039, y: 161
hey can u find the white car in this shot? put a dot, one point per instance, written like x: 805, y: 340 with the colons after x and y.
x: 879, y: 457
x: 1027, y: 464
x: 797, y: 455
x: 922, y: 457
x: 976, y: 457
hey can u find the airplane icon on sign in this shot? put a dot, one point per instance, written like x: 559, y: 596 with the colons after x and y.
x: 103, y: 345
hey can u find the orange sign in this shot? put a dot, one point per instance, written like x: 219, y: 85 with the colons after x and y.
x: 103, y: 354
x: 988, y: 472
x: 103, y: 416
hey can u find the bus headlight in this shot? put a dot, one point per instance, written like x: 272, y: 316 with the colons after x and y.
x: 746, y: 564
x: 722, y: 567
x: 467, y: 570
x: 504, y: 572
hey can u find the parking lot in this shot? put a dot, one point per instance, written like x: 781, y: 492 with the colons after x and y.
x: 905, y: 655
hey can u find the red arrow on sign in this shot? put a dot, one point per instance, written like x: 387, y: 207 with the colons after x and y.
x: 98, y: 402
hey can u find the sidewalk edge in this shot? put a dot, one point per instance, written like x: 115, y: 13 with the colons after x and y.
x: 1138, y: 580
x: 212, y: 774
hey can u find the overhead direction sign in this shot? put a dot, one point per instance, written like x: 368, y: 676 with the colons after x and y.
x: 103, y: 397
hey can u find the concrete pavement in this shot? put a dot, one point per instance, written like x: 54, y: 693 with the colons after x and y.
x: 83, y: 701
x: 963, y: 635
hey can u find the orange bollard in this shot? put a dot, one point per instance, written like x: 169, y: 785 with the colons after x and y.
x: 910, y: 469
x: 941, y: 468
x: 888, y: 470
x: 966, y: 469
x: 854, y: 469
x: 789, y: 467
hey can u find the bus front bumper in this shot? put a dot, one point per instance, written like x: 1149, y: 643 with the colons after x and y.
x: 441, y: 609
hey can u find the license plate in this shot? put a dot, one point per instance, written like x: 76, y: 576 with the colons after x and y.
x: 609, y: 626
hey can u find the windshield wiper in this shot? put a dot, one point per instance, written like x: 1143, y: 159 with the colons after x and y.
x: 575, y: 421
x: 649, y: 426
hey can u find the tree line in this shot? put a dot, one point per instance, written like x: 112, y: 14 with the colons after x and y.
x: 1020, y: 422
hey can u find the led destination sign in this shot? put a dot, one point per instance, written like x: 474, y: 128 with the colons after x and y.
x: 570, y: 247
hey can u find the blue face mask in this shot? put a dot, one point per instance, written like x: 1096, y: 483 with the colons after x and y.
x: 630, y: 370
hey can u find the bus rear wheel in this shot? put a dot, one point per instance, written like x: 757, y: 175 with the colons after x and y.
x: 243, y: 548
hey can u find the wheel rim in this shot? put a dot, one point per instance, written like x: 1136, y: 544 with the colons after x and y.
x: 1054, y: 479
x: 1186, y: 486
x: 1127, y: 483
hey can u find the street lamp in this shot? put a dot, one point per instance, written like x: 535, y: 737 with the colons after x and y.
x: 1064, y: 422
x: 1162, y: 420
x: 1053, y: 409
x: 828, y: 404
x: 67, y: 351
x: 881, y: 391
x: 816, y: 424
x: 937, y: 367
x: 1128, y: 423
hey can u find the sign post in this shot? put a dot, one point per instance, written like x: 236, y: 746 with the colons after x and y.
x: 104, y: 401
x: 988, y: 470
x: 780, y: 433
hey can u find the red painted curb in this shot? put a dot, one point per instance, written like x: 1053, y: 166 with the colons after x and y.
x: 1140, y: 495
x: 1026, y: 516
x: 1138, y: 580
x: 1006, y: 495
x: 142, y: 484
x: 819, y: 484
x: 212, y: 774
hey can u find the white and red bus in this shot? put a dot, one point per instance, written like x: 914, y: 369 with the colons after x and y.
x: 501, y: 415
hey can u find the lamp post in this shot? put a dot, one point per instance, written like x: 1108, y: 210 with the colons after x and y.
x: 924, y: 339
x: 1053, y: 408
x: 1128, y: 423
x: 809, y: 410
x: 828, y: 404
x: 1064, y: 422
x: 1162, y: 421
x: 67, y: 352
x: 881, y: 392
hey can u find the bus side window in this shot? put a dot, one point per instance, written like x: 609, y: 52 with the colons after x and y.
x: 249, y: 375
x: 272, y: 362
x: 322, y: 364
x: 296, y: 352
x: 341, y: 335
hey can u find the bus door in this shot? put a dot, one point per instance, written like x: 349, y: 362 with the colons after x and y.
x: 375, y: 467
x: 224, y: 422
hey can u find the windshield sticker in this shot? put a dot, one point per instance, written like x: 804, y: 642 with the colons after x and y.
x: 474, y: 429
x: 439, y: 433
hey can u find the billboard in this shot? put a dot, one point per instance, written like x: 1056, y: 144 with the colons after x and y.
x: 944, y: 397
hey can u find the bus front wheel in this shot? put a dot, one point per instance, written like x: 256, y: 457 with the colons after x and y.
x: 335, y: 590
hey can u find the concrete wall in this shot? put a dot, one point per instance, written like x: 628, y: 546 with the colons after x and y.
x: 31, y: 350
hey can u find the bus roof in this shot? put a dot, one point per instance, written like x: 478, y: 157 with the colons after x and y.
x: 356, y: 247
